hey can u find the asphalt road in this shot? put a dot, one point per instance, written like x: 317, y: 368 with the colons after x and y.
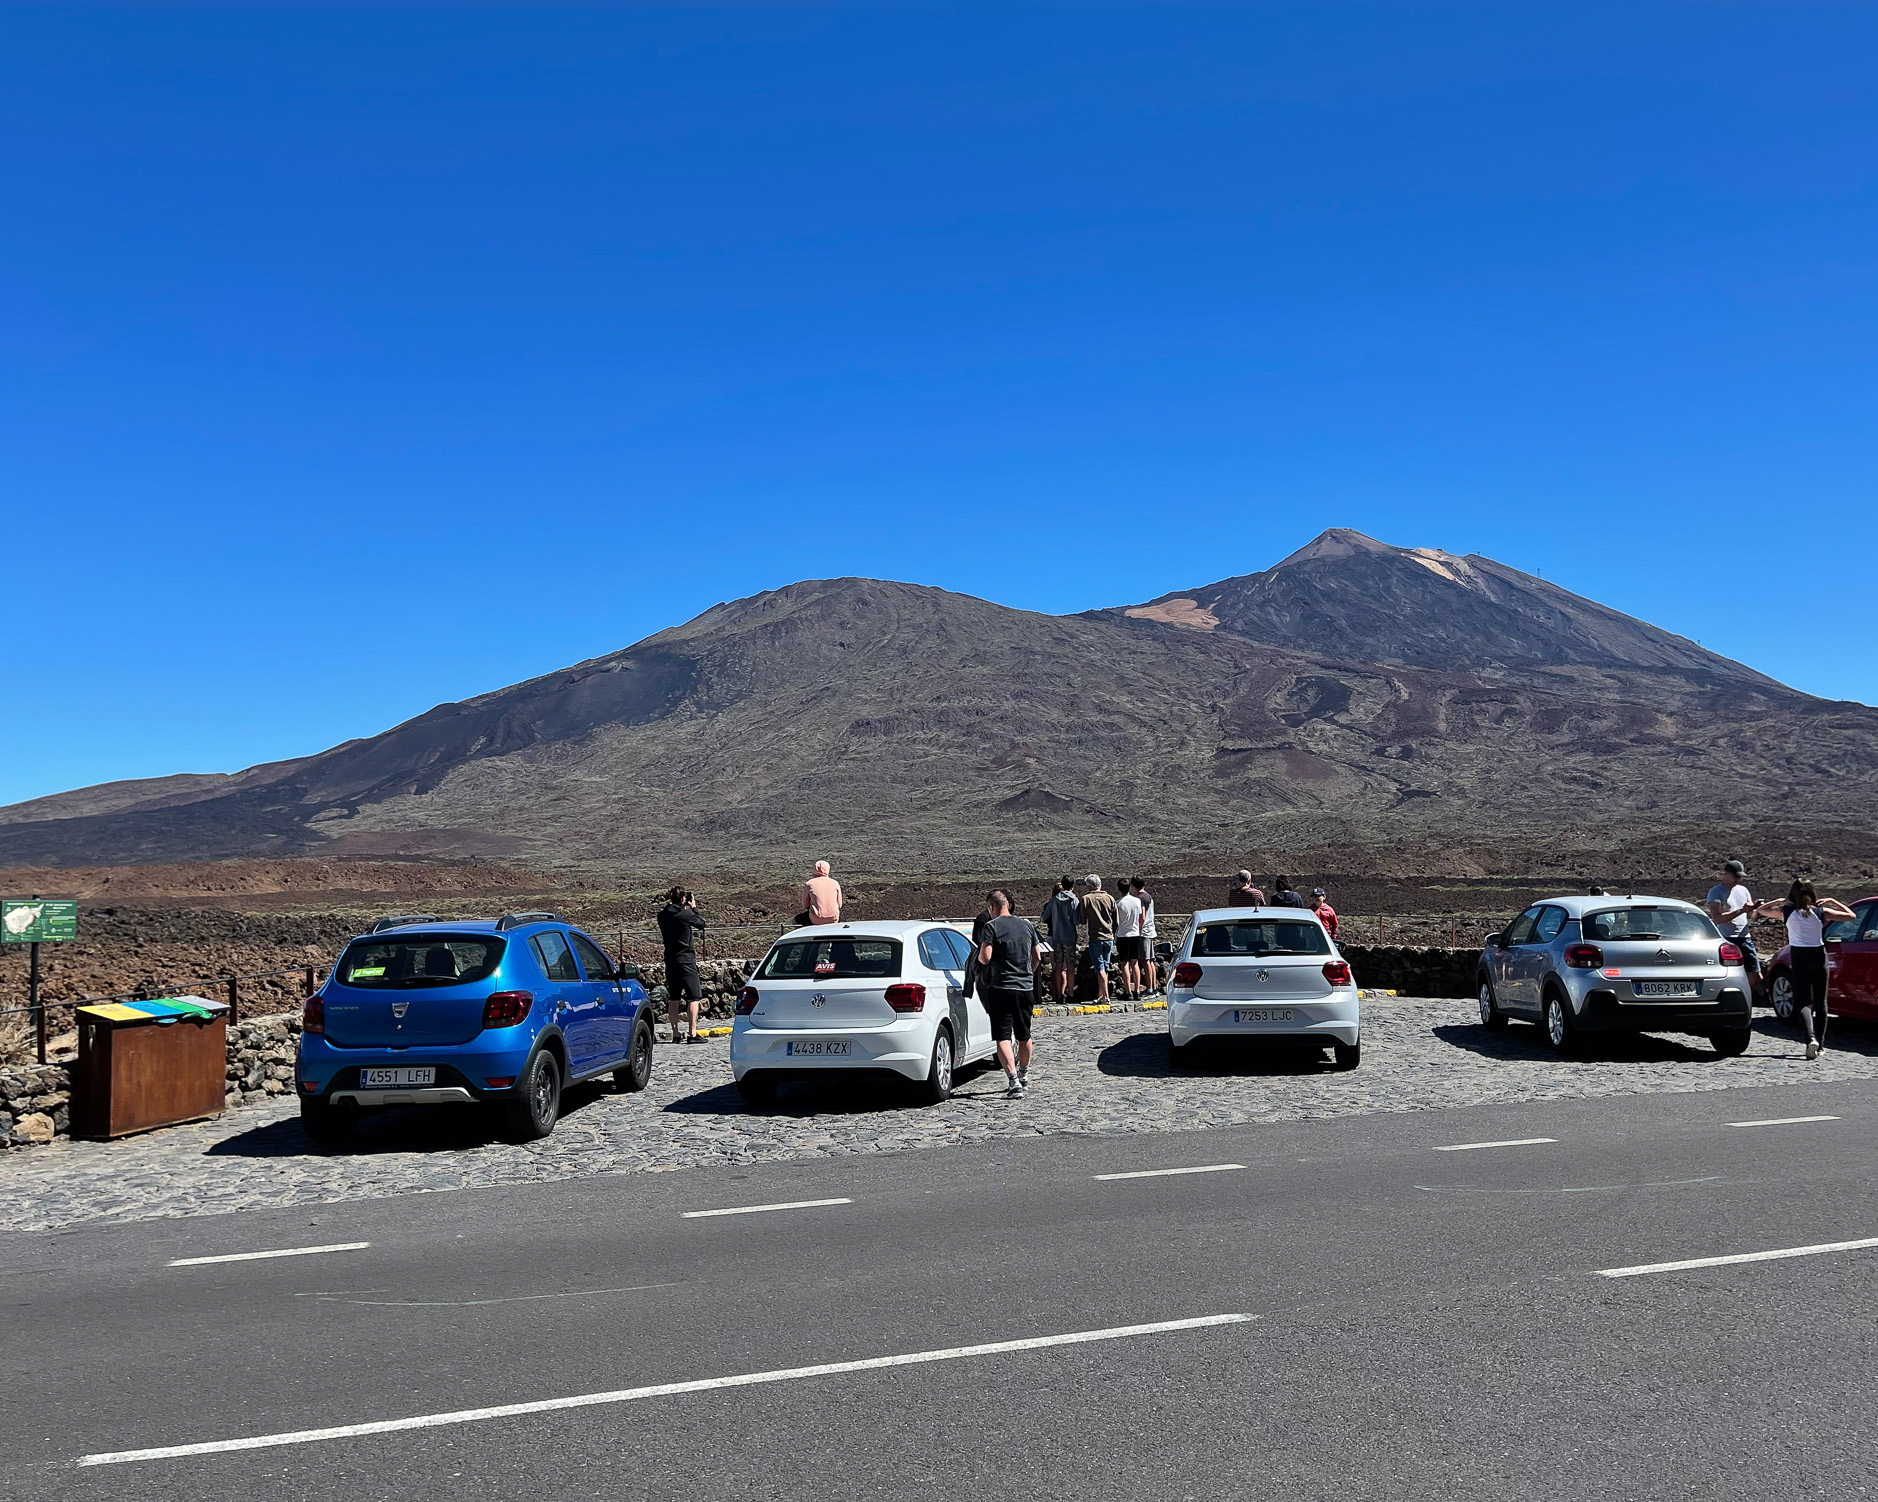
x: 1423, y: 1323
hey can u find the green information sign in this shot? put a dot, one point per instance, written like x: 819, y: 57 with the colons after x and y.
x: 38, y: 920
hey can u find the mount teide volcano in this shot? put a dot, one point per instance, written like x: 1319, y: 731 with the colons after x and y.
x: 1354, y: 695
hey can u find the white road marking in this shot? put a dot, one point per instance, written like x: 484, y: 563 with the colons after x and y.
x: 1713, y: 1178
x: 517, y: 1298
x: 1468, y: 1147
x: 658, y: 1390
x: 289, y: 1251
x: 1773, y: 1256
x: 1781, y: 1121
x: 1167, y: 1173
x: 759, y: 1209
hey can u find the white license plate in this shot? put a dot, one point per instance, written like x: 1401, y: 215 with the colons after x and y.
x: 1668, y: 987
x: 393, y: 1079
x: 1262, y: 1014
x: 819, y: 1048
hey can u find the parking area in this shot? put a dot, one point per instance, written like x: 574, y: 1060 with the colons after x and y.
x: 1104, y: 1073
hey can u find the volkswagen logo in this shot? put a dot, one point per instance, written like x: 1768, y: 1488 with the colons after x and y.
x: 818, y: 1001
x: 1265, y: 975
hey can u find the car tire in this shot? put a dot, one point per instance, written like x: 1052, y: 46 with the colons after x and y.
x: 1780, y: 997
x: 1348, y: 1055
x: 1734, y: 1042
x: 536, y: 1104
x: 636, y: 1073
x: 756, y: 1089
x: 1490, y: 1013
x: 326, y: 1123
x: 1557, y: 1022
x: 937, y: 1086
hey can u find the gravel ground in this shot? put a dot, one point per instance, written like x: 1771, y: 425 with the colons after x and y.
x: 1099, y: 1073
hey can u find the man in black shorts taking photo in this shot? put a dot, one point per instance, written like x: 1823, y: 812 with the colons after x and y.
x: 1007, y: 985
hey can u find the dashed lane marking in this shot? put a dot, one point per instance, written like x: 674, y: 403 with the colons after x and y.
x: 1468, y: 1147
x: 759, y: 1209
x: 287, y: 1251
x: 1168, y: 1173
x: 1774, y: 1256
x: 1781, y: 1121
x: 658, y: 1390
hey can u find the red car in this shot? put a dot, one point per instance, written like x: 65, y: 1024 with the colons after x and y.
x: 1851, y: 968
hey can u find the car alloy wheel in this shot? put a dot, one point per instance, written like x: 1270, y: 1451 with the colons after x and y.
x: 537, y: 1103
x: 1780, y: 995
x: 1558, y: 1026
x: 1490, y: 1013
x: 939, y: 1076
x: 636, y: 1074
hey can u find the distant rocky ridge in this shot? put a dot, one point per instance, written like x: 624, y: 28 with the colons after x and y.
x: 1354, y: 695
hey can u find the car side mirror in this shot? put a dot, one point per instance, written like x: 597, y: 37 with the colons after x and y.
x: 1493, y: 941
x: 627, y: 971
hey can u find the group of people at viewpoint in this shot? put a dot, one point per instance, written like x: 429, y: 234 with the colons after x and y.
x: 1120, y: 930
x: 1245, y: 894
x: 1806, y: 915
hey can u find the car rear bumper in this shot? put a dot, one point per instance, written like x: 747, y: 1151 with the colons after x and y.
x: 903, y: 1049
x: 463, y: 1072
x: 1331, y: 1019
x: 1604, y: 1011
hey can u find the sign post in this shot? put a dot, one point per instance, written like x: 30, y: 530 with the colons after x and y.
x: 34, y: 921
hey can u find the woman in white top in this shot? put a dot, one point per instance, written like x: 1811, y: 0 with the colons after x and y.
x: 1807, y: 915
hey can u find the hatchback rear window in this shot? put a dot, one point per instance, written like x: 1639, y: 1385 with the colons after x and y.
x: 1249, y: 936
x: 404, y: 964
x: 1646, y: 923
x: 832, y: 959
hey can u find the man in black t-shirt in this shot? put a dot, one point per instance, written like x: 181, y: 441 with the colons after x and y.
x: 1008, y: 955
x: 684, y: 988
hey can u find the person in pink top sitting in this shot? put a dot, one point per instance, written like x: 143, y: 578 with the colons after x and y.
x: 821, y: 897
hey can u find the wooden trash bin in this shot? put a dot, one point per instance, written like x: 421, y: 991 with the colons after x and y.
x: 146, y: 1064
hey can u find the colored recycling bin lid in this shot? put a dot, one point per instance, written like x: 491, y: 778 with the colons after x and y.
x: 167, y: 1009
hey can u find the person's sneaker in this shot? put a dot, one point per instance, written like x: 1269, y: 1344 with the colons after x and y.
x: 1812, y: 1049
x: 1015, y: 1087
x: 1023, y: 1078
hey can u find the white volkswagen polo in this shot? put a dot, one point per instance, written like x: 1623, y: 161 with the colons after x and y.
x: 879, y: 998
x: 1262, y: 972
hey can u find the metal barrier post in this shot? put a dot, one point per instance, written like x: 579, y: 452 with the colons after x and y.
x: 38, y: 1006
x: 234, y: 998
x: 312, y: 980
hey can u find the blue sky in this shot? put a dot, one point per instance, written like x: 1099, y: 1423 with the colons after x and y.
x: 353, y: 361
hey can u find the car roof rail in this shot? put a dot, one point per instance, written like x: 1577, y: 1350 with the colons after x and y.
x: 404, y: 920
x: 516, y: 920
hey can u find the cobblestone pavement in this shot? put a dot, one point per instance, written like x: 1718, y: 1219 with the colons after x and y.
x: 1102, y: 1073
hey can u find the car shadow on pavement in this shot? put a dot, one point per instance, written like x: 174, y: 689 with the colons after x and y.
x: 1522, y: 1040
x: 837, y: 1095
x: 1144, y: 1056
x: 405, y: 1129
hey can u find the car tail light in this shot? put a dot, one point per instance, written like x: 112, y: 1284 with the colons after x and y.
x: 313, y: 1015
x: 312, y: 1087
x: 1337, y: 972
x: 1584, y: 957
x: 500, y: 1081
x: 1186, y: 973
x: 506, y: 1008
x: 746, y: 1001
x: 1731, y: 954
x: 1613, y: 973
x: 908, y: 996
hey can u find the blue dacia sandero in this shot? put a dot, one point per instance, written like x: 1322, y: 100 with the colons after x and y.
x: 424, y: 1012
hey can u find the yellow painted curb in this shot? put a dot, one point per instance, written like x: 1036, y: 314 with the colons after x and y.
x: 1154, y: 1006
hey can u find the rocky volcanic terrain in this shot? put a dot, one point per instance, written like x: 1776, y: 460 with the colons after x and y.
x: 1356, y: 696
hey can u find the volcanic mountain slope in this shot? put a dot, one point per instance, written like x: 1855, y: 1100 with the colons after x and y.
x: 907, y: 729
x: 1348, y: 596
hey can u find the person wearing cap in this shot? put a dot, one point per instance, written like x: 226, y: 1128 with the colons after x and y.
x: 1731, y: 905
x: 1327, y: 915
